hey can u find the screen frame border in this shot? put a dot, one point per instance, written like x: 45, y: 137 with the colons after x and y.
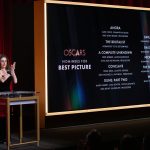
x: 45, y: 50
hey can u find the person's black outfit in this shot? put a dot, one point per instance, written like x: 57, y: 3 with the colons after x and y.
x: 4, y: 87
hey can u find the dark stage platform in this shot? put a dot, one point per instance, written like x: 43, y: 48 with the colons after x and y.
x: 69, y: 138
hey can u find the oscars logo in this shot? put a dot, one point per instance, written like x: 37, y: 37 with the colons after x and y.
x: 74, y: 52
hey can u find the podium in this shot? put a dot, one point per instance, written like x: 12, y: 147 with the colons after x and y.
x: 8, y: 99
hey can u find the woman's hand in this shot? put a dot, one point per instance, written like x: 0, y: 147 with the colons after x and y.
x: 12, y: 70
x: 3, y: 75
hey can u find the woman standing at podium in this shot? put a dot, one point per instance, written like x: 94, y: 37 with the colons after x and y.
x: 7, y: 76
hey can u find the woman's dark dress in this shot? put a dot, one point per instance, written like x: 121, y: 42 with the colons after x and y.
x: 4, y: 86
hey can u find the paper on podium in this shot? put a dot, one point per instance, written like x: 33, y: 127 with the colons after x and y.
x: 17, y: 93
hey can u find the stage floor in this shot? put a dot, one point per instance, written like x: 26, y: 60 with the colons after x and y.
x: 69, y: 138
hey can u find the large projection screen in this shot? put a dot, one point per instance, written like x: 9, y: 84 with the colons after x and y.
x: 97, y: 57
